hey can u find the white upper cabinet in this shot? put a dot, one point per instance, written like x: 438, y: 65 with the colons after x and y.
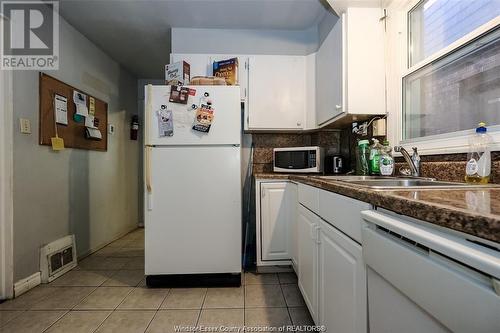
x: 276, y: 92
x: 329, y: 76
x: 201, y: 65
x: 350, y: 67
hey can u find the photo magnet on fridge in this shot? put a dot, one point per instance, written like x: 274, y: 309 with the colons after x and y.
x: 179, y: 94
x: 165, y: 122
x: 204, y: 118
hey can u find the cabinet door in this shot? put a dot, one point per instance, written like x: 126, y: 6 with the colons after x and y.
x: 276, y: 92
x: 342, y: 282
x: 200, y: 64
x: 292, y: 197
x: 308, y: 225
x: 274, y: 221
x: 330, y: 75
x: 242, y: 70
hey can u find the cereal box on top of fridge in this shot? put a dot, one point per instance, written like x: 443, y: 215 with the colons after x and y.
x: 177, y: 73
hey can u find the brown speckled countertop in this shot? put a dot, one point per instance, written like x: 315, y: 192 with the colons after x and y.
x: 472, y: 211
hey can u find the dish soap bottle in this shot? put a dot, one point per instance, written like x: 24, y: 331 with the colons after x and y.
x: 362, y: 157
x: 478, y: 167
x: 375, y: 157
x: 386, y: 160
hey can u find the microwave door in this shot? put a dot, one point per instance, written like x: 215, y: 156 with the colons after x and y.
x: 293, y: 160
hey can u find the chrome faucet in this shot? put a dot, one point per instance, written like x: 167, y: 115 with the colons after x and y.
x: 412, y: 161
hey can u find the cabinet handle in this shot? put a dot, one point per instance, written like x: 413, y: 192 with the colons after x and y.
x: 338, y: 107
x: 298, y: 124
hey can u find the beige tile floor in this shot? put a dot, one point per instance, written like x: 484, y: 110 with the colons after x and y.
x: 107, y: 293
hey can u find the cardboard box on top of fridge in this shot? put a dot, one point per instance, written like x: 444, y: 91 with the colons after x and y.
x: 227, y: 69
x: 177, y: 73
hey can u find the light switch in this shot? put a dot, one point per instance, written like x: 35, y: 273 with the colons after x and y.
x: 25, y: 125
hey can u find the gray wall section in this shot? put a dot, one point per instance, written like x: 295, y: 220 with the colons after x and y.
x: 238, y: 41
x: 91, y: 194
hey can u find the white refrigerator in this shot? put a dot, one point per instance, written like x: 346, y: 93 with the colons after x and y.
x: 193, y: 189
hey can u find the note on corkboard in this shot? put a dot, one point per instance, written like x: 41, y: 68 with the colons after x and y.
x: 73, y: 133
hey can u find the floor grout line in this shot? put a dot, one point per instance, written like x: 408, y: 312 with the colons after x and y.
x: 99, y: 326
x: 58, y: 319
x: 202, y: 304
x: 153, y: 318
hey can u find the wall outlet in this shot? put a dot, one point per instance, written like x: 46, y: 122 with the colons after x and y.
x: 379, y: 127
x: 25, y: 125
x: 111, y: 129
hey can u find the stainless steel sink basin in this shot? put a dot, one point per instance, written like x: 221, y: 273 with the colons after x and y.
x: 363, y: 178
x: 401, y: 183
x: 397, y: 183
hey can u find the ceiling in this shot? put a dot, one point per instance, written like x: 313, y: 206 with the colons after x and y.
x: 136, y: 33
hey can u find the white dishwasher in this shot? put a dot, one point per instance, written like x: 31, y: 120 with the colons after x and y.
x: 421, y: 279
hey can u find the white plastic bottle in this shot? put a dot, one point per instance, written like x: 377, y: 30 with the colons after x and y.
x: 386, y: 160
x: 478, y: 167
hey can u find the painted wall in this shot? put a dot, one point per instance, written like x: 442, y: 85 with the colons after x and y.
x: 238, y: 41
x: 91, y: 194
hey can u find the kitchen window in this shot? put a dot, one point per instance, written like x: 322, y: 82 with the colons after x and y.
x: 452, y: 78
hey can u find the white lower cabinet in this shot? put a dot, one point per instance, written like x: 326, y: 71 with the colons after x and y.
x: 274, y: 225
x: 276, y: 221
x: 342, y: 282
x: 327, y: 256
x: 308, y: 232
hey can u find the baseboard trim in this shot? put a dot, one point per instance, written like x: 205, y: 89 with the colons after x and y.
x: 194, y: 280
x: 24, y: 285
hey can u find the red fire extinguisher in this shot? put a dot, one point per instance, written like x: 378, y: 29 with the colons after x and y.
x: 134, y: 127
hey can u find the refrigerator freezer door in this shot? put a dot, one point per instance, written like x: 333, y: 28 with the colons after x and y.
x: 193, y: 225
x: 226, y: 126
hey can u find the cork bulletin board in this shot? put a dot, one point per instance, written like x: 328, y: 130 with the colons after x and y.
x: 73, y: 133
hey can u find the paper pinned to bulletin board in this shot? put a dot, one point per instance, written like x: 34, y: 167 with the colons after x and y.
x: 61, y: 109
x: 80, y: 100
x: 74, y: 134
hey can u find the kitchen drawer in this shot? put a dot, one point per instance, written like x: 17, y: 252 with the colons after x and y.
x: 309, y: 197
x: 342, y: 212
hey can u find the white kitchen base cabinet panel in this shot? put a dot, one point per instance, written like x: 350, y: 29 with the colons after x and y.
x: 276, y: 203
x: 274, y: 224
x: 342, y: 282
x: 308, y: 238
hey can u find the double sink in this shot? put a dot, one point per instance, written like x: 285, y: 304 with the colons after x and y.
x: 389, y: 183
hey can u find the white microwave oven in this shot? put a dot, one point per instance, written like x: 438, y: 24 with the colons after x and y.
x: 298, y: 159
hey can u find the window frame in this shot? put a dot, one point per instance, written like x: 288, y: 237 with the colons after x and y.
x: 453, y: 142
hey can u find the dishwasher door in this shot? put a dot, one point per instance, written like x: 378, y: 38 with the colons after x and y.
x: 417, y: 281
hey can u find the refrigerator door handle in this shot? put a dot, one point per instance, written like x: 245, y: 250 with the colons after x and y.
x: 149, y: 187
x: 149, y: 112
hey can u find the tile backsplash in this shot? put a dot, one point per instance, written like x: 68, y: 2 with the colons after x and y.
x: 265, y: 142
x: 451, y: 167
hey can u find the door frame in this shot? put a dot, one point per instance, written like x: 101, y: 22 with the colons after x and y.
x: 6, y: 185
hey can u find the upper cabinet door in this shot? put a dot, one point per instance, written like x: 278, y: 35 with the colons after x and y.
x: 276, y: 92
x: 242, y: 72
x: 200, y: 64
x: 329, y: 75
